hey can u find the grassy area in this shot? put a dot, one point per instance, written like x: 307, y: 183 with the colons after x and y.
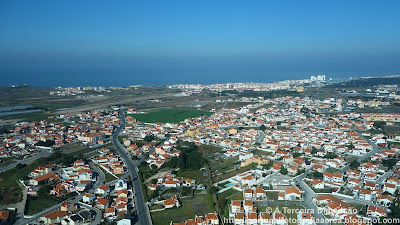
x: 261, y: 153
x: 169, y: 115
x: 109, y: 177
x: 30, y: 117
x: 231, y: 194
x: 7, y: 161
x: 10, y: 191
x: 223, y: 165
x: 392, y: 129
x: 356, y: 206
x: 331, y: 170
x: 86, y: 150
x: 233, y: 173
x: 35, y: 205
x: 384, y: 109
x: 272, y: 195
x: 44, y: 200
x: 208, y: 150
x: 200, y: 204
x: 121, y: 138
x: 196, y: 175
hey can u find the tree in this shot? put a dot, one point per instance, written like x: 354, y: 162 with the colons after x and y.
x: 189, y: 158
x: 171, y: 163
x: 379, y: 124
x: 314, y: 150
x: 296, y: 154
x: 139, y: 143
x: 222, y: 203
x: 354, y: 164
x: 212, y: 190
x: 148, y: 138
x: 389, y: 163
x: 262, y: 127
x: 317, y: 175
x: 330, y: 155
x: 268, y: 165
x: 4, y: 130
x: 283, y: 171
x: 351, y: 146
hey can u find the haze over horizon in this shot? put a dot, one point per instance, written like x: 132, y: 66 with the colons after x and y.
x: 53, y: 43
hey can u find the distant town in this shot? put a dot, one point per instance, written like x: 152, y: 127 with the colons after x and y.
x: 296, y: 152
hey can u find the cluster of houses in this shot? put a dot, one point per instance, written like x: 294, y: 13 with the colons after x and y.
x: 210, y: 219
x: 290, y: 128
x: 67, y: 214
x: 76, y: 178
x: 110, y: 162
x: 114, y: 201
x: 243, y: 212
x: 281, y: 85
x: 163, y: 153
x: 89, y: 128
x: 169, y: 180
x: 333, y: 206
x: 339, y: 209
x: 373, y: 103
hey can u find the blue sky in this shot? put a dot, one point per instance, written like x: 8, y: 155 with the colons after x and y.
x: 180, y: 36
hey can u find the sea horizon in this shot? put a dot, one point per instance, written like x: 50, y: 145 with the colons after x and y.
x: 108, y: 79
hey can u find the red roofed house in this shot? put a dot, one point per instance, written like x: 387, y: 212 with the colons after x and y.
x: 53, y: 217
x: 290, y: 193
x: 171, y: 202
x: 103, y: 190
x: 376, y: 211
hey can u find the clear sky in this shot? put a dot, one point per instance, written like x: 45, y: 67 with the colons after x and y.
x: 215, y: 39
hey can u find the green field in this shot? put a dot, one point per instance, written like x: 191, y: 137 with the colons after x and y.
x: 200, y: 205
x: 169, y: 115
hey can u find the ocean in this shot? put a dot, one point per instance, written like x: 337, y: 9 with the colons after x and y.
x: 161, y: 76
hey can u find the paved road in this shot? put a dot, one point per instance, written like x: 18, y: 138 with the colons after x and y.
x: 42, y: 153
x: 140, y: 204
x: 382, y: 178
x: 101, y: 177
x: 260, y: 138
x: 375, y: 149
x: 308, y: 196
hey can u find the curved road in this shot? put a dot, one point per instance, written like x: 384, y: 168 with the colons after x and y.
x: 140, y: 204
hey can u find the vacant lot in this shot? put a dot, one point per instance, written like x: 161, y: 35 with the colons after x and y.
x: 169, y: 115
x: 234, y: 172
x: 195, y: 175
x: 200, y: 205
